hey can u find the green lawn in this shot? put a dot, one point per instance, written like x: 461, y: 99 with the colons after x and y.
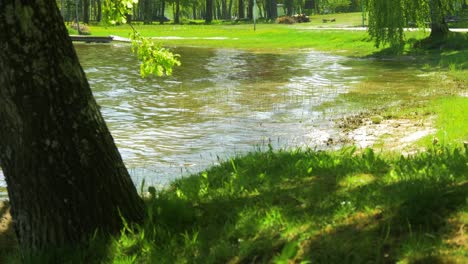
x: 267, y: 37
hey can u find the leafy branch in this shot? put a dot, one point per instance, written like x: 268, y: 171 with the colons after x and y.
x: 155, y: 60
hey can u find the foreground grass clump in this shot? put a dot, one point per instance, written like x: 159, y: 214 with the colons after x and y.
x: 317, y: 207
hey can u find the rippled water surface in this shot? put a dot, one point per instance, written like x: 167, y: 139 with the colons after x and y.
x: 219, y: 103
x: 224, y: 102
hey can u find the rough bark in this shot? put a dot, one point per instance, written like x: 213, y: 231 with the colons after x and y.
x: 65, y: 176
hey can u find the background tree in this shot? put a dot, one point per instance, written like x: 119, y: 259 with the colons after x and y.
x: 85, y: 11
x: 65, y: 177
x: 209, y: 11
x: 241, y: 9
x: 387, y: 19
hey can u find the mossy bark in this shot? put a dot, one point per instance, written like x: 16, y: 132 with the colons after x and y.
x: 65, y: 176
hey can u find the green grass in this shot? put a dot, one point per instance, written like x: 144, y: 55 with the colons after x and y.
x: 452, y: 119
x: 304, y: 206
x: 267, y: 37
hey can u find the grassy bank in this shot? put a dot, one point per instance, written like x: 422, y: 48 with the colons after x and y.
x: 315, y: 207
x: 304, y: 206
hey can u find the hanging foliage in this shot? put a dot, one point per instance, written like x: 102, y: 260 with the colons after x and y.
x: 115, y: 11
x: 155, y: 60
x: 388, y: 18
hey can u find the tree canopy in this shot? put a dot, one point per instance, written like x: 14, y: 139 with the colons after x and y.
x: 388, y: 18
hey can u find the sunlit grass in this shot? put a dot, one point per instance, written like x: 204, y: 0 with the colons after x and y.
x: 267, y: 37
x: 309, y: 206
x: 452, y: 119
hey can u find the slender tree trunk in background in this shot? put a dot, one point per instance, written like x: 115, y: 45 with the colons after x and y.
x: 146, y: 12
x: 163, y: 10
x: 231, y: 2
x: 439, y: 27
x: 224, y: 9
x: 64, y: 174
x: 218, y: 10
x: 99, y: 11
x: 274, y: 9
x: 241, y: 7
x: 250, y: 9
x: 77, y: 18
x: 86, y: 11
x: 209, y: 11
x: 272, y: 12
x: 289, y: 7
x: 177, y: 12
x: 194, y: 11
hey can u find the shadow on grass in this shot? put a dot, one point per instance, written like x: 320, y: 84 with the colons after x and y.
x: 314, y: 206
x: 451, y: 51
x: 96, y: 250
x: 413, y: 230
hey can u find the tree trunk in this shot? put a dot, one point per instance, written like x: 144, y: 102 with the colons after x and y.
x: 147, y: 12
x: 439, y: 27
x: 224, y: 10
x: 163, y: 10
x: 194, y: 11
x: 99, y: 11
x: 272, y: 12
x: 241, y: 12
x: 250, y: 9
x: 86, y: 11
x: 289, y: 7
x: 218, y: 10
x: 65, y: 177
x: 209, y: 11
x: 231, y: 2
x: 177, y: 12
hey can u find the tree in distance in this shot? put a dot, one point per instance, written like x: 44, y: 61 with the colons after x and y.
x: 387, y: 19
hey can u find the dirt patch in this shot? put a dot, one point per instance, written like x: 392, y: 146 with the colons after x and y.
x: 372, y: 130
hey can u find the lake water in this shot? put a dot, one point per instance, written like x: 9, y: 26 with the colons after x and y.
x: 221, y: 103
